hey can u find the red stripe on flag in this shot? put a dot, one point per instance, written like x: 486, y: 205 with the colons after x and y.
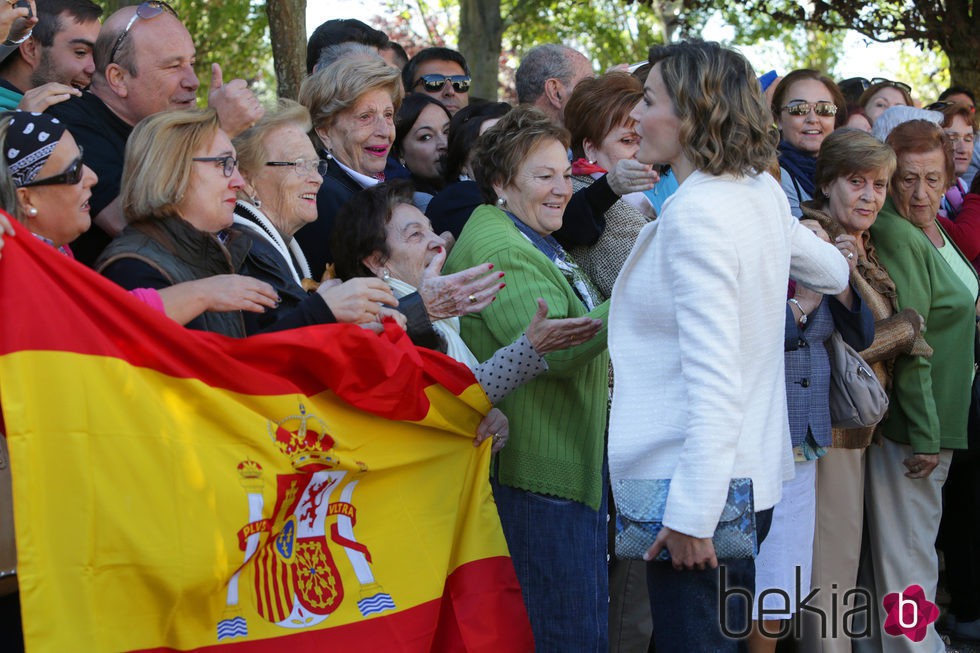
x: 64, y: 306
x: 484, y: 593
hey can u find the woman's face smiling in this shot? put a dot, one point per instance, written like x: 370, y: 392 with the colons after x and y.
x: 806, y: 132
x: 361, y: 136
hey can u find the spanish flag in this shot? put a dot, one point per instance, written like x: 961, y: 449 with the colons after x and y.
x: 312, y: 490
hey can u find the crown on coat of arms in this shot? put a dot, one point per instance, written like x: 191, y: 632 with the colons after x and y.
x: 304, y: 439
x: 249, y: 469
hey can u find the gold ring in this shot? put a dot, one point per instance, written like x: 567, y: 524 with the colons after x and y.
x: 472, y: 299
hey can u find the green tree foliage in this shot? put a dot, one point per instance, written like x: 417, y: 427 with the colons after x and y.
x: 952, y: 25
x: 234, y: 34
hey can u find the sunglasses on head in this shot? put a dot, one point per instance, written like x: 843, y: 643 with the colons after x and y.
x: 825, y: 109
x: 868, y: 83
x: 71, y: 176
x: 147, y: 10
x: 434, y: 83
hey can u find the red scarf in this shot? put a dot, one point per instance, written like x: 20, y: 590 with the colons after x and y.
x: 585, y: 167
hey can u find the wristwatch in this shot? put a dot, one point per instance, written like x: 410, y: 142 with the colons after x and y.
x: 793, y: 301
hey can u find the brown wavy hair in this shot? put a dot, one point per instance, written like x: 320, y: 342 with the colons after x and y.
x: 726, y: 125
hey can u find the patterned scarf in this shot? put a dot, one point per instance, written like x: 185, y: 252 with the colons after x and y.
x: 30, y: 140
x: 584, y: 289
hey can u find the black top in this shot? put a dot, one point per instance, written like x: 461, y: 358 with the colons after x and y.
x: 452, y: 206
x: 103, y: 135
x: 314, y: 238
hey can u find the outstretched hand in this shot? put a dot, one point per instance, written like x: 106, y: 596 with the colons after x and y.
x: 547, y: 335
x: 460, y: 293
x: 631, y: 176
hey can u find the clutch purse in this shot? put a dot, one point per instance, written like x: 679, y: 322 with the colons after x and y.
x: 640, y: 505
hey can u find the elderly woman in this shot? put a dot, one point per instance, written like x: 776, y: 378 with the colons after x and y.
x: 852, y: 175
x: 53, y: 189
x: 383, y: 236
x: 421, y: 129
x: 282, y: 172
x: 451, y: 207
x: 550, y: 481
x: 597, y: 115
x: 959, y: 212
x: 808, y: 106
x: 930, y: 398
x: 353, y: 104
x: 883, y: 94
x: 180, y: 181
x: 678, y: 412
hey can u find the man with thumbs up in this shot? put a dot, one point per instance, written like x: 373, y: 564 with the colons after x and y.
x: 144, y: 64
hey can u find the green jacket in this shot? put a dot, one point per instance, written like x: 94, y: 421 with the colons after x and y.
x: 930, y: 397
x: 558, y: 420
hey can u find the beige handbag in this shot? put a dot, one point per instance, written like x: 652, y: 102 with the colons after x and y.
x: 8, y: 549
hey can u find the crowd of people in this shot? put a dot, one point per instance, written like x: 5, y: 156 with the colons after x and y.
x: 646, y: 270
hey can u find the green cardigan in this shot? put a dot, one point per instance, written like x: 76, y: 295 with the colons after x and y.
x: 558, y: 420
x: 930, y: 397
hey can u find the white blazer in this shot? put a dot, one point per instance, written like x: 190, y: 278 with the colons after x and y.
x: 696, y: 338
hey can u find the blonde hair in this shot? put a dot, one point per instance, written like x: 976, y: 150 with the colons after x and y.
x: 331, y: 90
x: 725, y: 123
x: 250, y: 144
x: 157, y: 165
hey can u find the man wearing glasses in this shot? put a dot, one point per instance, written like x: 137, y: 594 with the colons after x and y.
x: 144, y: 64
x: 441, y: 73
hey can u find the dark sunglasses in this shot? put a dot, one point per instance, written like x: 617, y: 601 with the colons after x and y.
x: 942, y: 105
x: 146, y: 10
x: 825, y: 109
x: 71, y: 176
x: 227, y: 161
x: 434, y: 83
x: 868, y: 83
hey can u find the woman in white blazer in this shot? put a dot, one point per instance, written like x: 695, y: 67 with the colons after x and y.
x: 696, y: 331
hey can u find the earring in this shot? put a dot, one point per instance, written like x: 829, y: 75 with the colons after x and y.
x: 385, y: 274
x: 329, y: 154
x: 591, y: 161
x: 32, y: 212
x: 501, y: 202
x: 256, y: 201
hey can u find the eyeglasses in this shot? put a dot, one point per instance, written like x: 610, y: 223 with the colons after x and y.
x: 303, y: 167
x: 825, y: 109
x: 71, y: 176
x: 227, y: 161
x: 434, y: 83
x: 146, y: 10
x: 955, y: 138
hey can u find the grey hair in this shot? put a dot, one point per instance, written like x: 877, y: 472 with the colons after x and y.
x: 541, y: 63
x: 896, y: 115
x: 351, y: 49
